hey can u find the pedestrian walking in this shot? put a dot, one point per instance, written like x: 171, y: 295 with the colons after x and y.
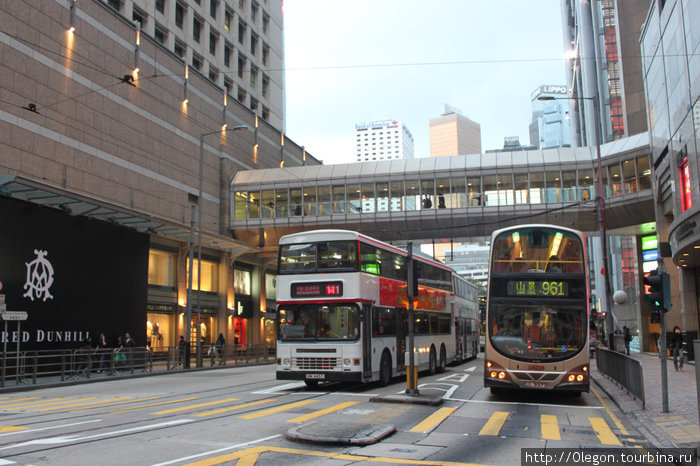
x: 129, y: 346
x: 677, y: 348
x: 220, y: 346
x: 101, y: 349
x: 628, y: 338
x: 181, y: 349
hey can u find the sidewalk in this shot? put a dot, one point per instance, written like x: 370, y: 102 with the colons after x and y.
x: 679, y: 427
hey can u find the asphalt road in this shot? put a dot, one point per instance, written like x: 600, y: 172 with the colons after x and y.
x: 240, y: 416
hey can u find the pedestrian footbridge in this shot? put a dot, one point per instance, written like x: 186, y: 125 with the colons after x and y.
x: 448, y: 197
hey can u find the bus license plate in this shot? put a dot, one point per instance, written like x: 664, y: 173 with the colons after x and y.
x: 535, y: 385
x: 315, y: 376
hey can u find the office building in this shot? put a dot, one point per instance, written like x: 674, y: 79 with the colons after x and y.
x: 670, y: 43
x: 454, y: 134
x: 236, y: 44
x: 382, y: 140
x: 115, y: 182
x: 601, y: 38
x: 550, y: 118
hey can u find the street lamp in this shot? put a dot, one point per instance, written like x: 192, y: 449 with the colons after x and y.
x: 601, y: 216
x: 199, y: 244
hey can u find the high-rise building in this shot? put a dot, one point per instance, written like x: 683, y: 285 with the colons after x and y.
x: 454, y: 134
x: 236, y: 44
x: 601, y: 37
x: 382, y: 140
x: 550, y: 118
x: 670, y: 45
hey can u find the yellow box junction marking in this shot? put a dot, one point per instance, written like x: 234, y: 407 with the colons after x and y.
x: 185, y: 408
x: 603, y: 431
x: 550, y: 427
x: 433, y: 420
x: 495, y: 423
x: 152, y: 405
x: 277, y: 409
x: 54, y: 408
x: 249, y: 456
x: 323, y: 412
x: 234, y: 408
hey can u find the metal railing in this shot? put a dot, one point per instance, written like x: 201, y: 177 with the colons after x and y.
x: 47, y: 366
x: 623, y: 369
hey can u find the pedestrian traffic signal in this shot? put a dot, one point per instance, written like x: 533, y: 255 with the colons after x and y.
x: 655, y: 317
x: 659, y: 290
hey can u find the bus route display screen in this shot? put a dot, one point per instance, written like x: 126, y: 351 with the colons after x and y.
x: 538, y: 288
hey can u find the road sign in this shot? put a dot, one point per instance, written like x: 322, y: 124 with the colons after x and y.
x: 2, y: 299
x: 3, y: 308
x: 14, y: 315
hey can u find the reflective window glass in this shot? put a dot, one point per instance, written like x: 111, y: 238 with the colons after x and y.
x: 382, y: 197
x: 268, y: 203
x: 368, y: 199
x: 253, y: 204
x: 412, y: 196
x: 458, y: 195
x: 240, y: 203
x: 281, y: 202
x: 310, y: 203
x: 520, y: 188
x: 553, y: 185
x: 324, y: 200
x: 616, y: 179
x: 352, y: 194
x: 474, y: 194
x: 536, y: 187
x: 339, y: 199
x: 442, y: 187
x: 295, y: 204
x: 629, y: 178
x: 397, y: 199
x: 428, y: 194
x: 568, y: 181
x: 644, y: 172
x: 491, y: 190
x: 586, y: 188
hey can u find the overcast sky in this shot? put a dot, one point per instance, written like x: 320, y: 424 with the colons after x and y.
x: 352, y: 61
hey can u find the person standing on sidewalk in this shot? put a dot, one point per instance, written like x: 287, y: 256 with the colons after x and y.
x: 677, y: 347
x: 628, y: 338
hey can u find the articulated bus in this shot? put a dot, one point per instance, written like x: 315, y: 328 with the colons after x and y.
x: 342, y: 310
x: 537, y: 310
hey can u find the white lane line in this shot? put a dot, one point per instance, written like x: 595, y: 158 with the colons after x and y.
x: 213, y: 452
x: 469, y: 369
x: 30, y: 430
x: 2, y: 461
x: 459, y: 378
x: 280, y: 388
x: 78, y: 438
x: 448, y: 391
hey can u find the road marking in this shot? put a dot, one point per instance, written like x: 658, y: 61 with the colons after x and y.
x: 323, y: 412
x: 11, y: 402
x: 77, y: 438
x: 2, y: 461
x: 495, y: 423
x: 280, y: 388
x: 277, y: 409
x: 28, y: 405
x: 470, y: 369
x: 432, y: 386
x: 610, y: 413
x: 383, y: 415
x: 459, y: 378
x: 603, y: 431
x: 5, y: 430
x: 38, y: 404
x: 219, y: 450
x: 54, y: 408
x: 234, y: 408
x: 184, y: 408
x: 53, y: 427
x: 152, y: 405
x: 115, y: 404
x: 248, y: 457
x: 433, y: 420
x: 550, y: 427
x: 462, y: 400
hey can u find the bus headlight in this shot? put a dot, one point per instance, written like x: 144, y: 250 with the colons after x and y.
x: 579, y: 378
x: 501, y: 375
x: 572, y: 377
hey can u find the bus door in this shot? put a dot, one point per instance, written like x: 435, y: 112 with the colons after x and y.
x: 366, y: 319
x: 401, y: 333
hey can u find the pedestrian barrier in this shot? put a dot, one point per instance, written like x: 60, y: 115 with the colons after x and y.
x: 623, y: 369
x: 34, y: 367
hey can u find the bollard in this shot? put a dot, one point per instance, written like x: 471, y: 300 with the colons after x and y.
x: 408, y: 369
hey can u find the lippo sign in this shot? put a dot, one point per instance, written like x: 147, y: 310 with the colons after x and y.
x: 393, y: 293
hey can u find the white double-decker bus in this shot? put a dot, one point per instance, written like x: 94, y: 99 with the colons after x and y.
x: 342, y: 310
x: 537, y: 310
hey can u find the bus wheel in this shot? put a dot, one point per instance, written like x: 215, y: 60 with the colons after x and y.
x: 432, y: 362
x: 311, y: 383
x: 443, y: 360
x: 385, y: 370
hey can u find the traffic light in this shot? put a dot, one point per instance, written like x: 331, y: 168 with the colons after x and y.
x: 655, y: 317
x: 659, y: 290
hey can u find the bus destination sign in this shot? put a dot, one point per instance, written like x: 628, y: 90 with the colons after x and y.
x: 301, y: 290
x: 538, y: 288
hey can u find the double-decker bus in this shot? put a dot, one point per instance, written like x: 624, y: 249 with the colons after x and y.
x: 342, y: 310
x: 537, y: 310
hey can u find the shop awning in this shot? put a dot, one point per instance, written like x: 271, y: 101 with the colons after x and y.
x: 37, y: 192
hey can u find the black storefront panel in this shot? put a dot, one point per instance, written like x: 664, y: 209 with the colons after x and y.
x: 74, y: 276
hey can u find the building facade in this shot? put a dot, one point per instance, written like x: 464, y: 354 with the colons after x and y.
x: 128, y: 165
x: 550, y: 118
x: 383, y: 140
x: 454, y: 134
x: 601, y: 39
x: 670, y: 45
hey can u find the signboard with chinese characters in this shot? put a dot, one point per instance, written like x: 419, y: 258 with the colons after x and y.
x: 539, y: 288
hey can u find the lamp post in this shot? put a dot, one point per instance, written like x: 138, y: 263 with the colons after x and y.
x: 199, y: 241
x: 600, y: 204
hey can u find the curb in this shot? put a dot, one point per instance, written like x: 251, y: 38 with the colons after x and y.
x: 340, y: 434
x: 430, y: 400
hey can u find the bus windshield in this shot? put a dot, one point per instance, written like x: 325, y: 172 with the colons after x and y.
x: 538, y: 250
x: 319, y: 322
x: 537, y: 332
x: 321, y: 256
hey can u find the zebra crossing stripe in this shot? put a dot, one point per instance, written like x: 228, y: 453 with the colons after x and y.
x: 603, y: 431
x: 323, y: 412
x: 550, y: 427
x: 433, y: 420
x: 495, y: 423
x: 184, y: 408
x: 277, y: 409
x: 235, y: 408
